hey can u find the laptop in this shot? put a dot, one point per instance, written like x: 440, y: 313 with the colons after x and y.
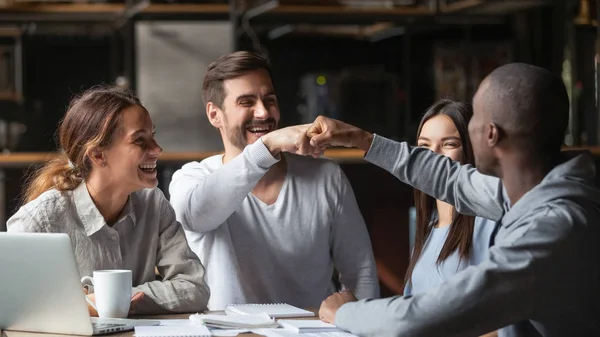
x: 41, y: 289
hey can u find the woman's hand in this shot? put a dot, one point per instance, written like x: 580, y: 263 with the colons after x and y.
x: 91, y: 297
x: 135, y: 299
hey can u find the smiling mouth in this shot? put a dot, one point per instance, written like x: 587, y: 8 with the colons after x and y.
x: 148, y: 167
x: 259, y: 129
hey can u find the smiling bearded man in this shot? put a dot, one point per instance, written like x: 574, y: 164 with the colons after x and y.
x: 268, y: 226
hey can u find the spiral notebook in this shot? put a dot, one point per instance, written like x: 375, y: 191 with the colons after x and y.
x: 275, y: 310
x: 172, y: 331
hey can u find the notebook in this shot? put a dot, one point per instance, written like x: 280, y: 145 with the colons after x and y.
x: 172, y: 331
x: 307, y: 325
x: 234, y: 322
x: 275, y: 310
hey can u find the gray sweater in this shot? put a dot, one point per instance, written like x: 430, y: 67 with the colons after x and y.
x: 542, y: 276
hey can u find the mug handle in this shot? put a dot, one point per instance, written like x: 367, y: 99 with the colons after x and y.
x: 85, y: 280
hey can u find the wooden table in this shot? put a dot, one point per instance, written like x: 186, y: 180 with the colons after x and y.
x: 7, y: 333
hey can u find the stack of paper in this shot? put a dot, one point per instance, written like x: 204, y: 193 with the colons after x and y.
x: 307, y: 325
x: 235, y: 322
x: 288, y: 333
x: 275, y: 310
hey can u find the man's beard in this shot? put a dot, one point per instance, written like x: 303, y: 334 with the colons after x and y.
x: 237, y: 134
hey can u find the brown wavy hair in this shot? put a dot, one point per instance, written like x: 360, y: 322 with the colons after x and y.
x: 91, y: 122
x: 460, y: 235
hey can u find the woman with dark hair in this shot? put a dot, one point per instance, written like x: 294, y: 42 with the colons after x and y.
x: 445, y: 241
x: 101, y: 190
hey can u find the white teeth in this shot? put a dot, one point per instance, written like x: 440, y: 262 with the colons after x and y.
x: 258, y: 129
x: 149, y: 166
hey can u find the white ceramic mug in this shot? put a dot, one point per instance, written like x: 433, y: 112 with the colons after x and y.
x: 112, y: 291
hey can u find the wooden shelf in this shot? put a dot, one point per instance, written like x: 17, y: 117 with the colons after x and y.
x: 461, y: 6
x: 25, y: 159
x: 492, y: 7
x: 336, y: 10
x: 7, y: 96
x: 113, y: 8
x: 63, y: 8
x: 344, y: 15
x: 85, y: 12
x: 328, y: 14
x: 279, y: 13
x: 188, y: 8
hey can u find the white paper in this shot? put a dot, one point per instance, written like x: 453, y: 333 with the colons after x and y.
x: 172, y: 330
x: 288, y: 333
x: 234, y: 322
x: 307, y: 325
x: 275, y: 310
x: 227, y: 332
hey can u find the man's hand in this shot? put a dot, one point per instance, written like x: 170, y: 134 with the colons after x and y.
x: 330, y: 306
x: 292, y: 139
x: 325, y: 132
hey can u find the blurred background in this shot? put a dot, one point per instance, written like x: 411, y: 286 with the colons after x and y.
x: 377, y: 64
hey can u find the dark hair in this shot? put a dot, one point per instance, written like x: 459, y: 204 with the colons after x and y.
x: 91, y: 121
x: 460, y: 235
x: 527, y: 100
x: 227, y: 67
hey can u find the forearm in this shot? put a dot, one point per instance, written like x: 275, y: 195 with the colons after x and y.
x: 203, y: 203
x: 459, y: 307
x: 469, y: 191
x: 180, y: 295
x: 182, y: 288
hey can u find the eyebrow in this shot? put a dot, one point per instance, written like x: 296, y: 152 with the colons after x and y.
x: 247, y: 96
x: 141, y: 131
x: 443, y: 139
x: 241, y: 97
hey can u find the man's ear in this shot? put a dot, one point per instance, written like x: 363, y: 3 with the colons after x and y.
x: 96, y: 156
x: 214, y: 114
x: 494, y: 134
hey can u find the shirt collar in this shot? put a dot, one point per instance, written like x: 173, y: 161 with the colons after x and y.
x: 89, y: 214
x: 128, y: 211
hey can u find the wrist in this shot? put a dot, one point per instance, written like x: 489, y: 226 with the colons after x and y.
x: 268, y: 142
x: 364, y: 139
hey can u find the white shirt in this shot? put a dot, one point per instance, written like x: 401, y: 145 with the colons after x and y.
x: 146, y: 235
x: 284, y: 252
